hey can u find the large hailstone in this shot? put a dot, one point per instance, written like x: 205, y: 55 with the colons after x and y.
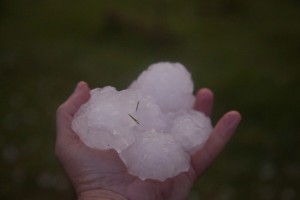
x: 152, y: 124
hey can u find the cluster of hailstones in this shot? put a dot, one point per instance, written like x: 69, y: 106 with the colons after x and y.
x: 152, y: 124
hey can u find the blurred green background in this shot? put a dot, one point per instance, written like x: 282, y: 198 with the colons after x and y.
x: 246, y: 51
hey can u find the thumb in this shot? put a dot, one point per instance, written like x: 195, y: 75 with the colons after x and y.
x: 66, y: 111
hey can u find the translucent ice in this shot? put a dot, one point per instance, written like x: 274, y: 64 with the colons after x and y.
x: 170, y: 84
x: 152, y: 124
x: 155, y: 155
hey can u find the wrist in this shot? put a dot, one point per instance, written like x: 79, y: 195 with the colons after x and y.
x: 100, y: 195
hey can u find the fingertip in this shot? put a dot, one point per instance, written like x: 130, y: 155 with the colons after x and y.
x: 227, y: 124
x: 204, y: 101
x: 237, y: 114
x: 234, y: 113
x: 80, y: 95
x: 82, y: 92
x: 233, y: 116
x: 205, y: 92
x: 81, y: 85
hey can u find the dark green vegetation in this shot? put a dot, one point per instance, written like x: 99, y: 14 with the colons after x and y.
x: 247, y: 52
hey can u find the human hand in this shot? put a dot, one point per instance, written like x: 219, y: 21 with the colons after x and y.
x: 99, y: 174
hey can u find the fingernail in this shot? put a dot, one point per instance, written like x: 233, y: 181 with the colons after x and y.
x: 78, y: 88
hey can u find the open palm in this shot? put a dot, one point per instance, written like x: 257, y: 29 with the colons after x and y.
x: 97, y: 174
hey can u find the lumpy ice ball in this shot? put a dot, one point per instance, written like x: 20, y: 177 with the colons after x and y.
x: 169, y: 84
x: 195, y: 126
x: 155, y: 155
x: 152, y: 124
x: 103, y: 123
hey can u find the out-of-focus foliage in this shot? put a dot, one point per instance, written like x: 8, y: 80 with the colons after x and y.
x: 246, y: 51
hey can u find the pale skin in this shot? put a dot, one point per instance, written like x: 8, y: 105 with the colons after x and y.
x: 101, y: 175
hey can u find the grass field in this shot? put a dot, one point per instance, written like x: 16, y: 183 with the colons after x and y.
x: 247, y: 52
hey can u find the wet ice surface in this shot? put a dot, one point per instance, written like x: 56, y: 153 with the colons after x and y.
x: 152, y: 124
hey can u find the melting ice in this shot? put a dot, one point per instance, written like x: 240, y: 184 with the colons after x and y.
x: 152, y: 124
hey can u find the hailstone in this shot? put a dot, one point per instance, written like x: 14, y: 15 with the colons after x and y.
x: 152, y: 124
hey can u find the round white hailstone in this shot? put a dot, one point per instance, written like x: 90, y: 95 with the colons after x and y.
x: 103, y: 122
x: 155, y: 156
x: 191, y: 129
x: 169, y: 84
